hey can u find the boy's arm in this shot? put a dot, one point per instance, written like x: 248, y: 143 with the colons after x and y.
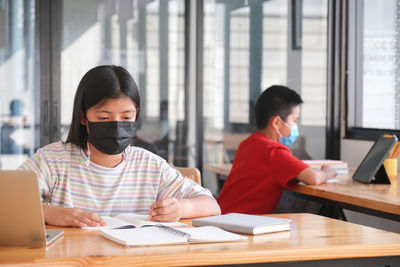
x: 315, y: 176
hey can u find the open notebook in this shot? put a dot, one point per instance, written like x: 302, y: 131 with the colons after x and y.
x: 339, y: 166
x: 129, y: 220
x: 164, y: 235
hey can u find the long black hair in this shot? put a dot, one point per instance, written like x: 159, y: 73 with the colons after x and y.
x: 98, y: 85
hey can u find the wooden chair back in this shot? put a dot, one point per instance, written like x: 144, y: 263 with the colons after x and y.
x: 231, y: 141
x: 191, y: 173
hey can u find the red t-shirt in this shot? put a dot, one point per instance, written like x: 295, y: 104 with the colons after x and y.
x: 262, y: 168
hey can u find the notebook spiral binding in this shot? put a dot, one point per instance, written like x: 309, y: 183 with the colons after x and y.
x: 172, y: 230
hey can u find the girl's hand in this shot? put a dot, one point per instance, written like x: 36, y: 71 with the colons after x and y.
x: 61, y: 216
x: 166, y: 210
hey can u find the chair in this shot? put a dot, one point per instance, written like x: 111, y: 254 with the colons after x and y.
x: 299, y: 148
x: 231, y: 143
x: 191, y: 173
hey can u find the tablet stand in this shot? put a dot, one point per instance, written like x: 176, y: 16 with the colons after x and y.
x: 381, y: 176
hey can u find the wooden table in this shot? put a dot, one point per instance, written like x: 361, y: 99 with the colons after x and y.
x: 375, y: 199
x: 219, y: 169
x: 312, y: 238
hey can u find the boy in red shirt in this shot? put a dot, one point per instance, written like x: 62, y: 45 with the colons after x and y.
x: 263, y: 164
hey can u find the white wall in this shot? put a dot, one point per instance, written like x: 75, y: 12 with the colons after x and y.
x: 353, y: 151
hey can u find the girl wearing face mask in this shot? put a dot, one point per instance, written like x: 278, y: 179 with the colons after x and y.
x: 97, y: 171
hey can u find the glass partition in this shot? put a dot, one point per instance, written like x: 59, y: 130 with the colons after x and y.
x: 314, y: 56
x: 247, y: 48
x: 245, y: 51
x: 374, y: 96
x: 145, y: 37
x: 18, y: 93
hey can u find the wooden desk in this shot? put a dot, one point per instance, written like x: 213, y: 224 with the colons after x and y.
x: 375, y: 199
x: 218, y: 169
x: 312, y: 238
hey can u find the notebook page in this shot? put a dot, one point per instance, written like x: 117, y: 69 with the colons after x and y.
x: 111, y: 222
x: 143, y: 236
x: 141, y: 219
x: 134, y: 219
x: 211, y: 234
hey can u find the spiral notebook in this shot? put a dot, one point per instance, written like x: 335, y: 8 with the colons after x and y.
x: 130, y: 220
x: 164, y: 235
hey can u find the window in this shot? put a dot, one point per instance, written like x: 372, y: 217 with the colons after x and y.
x: 145, y: 37
x: 18, y: 91
x: 247, y: 48
x: 374, y: 68
x: 314, y: 62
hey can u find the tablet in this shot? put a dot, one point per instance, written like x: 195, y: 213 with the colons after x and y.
x: 371, y: 169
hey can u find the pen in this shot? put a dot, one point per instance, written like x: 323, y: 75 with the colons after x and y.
x: 173, y: 190
x: 129, y: 226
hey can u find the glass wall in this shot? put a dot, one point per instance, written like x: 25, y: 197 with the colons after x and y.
x: 247, y: 48
x: 18, y: 93
x: 313, y: 69
x: 374, y: 98
x: 314, y: 62
x: 145, y: 37
x: 245, y: 51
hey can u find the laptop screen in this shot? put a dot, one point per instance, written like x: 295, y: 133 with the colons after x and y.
x: 22, y: 222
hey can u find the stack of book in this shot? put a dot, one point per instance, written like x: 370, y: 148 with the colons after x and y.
x: 340, y: 167
x: 245, y: 223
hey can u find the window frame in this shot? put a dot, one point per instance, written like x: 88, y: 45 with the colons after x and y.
x: 354, y: 79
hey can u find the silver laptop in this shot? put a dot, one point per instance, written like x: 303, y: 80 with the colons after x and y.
x: 21, y: 214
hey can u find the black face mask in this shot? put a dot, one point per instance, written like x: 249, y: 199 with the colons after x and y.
x: 111, y: 137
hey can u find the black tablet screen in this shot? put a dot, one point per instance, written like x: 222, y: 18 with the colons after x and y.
x: 374, y: 159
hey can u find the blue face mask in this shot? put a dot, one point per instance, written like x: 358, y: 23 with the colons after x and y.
x: 294, y: 132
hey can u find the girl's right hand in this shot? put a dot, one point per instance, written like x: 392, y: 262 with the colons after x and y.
x: 60, y: 216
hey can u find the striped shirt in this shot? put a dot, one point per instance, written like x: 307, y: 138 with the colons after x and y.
x: 65, y: 179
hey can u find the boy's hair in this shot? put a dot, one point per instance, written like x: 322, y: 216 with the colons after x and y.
x: 276, y: 100
x: 97, y: 86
